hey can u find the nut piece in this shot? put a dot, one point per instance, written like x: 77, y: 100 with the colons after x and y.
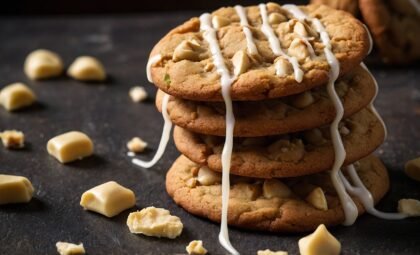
x: 275, y: 188
x: 196, y: 248
x: 270, y: 252
x: 317, y: 199
x: 188, y: 50
x: 16, y: 96
x: 138, y: 94
x: 108, y: 199
x: 219, y: 22
x: 299, y: 29
x: 276, y: 18
x: 298, y: 49
x: 12, y: 139
x: 153, y: 221
x: 303, y: 100
x: 314, y: 136
x: 411, y: 207
x: 70, y: 146
x: 240, y: 62
x: 15, y: 189
x: 245, y: 191
x: 42, y: 64
x: 86, y: 68
x: 321, y: 242
x: 69, y: 248
x: 412, y: 169
x: 207, y: 177
x: 136, y: 145
x: 283, y: 67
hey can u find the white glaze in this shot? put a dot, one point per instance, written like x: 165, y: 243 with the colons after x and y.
x: 416, y: 5
x: 275, y: 43
x: 153, y: 60
x: 209, y: 34
x: 370, y: 39
x: 311, y: 50
x: 360, y: 191
x: 252, y: 48
x: 166, y: 132
x: 349, y: 207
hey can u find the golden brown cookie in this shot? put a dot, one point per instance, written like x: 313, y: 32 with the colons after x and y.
x: 186, y: 69
x: 351, y: 6
x: 288, y: 155
x: 275, y: 116
x: 265, y: 204
x: 394, y: 25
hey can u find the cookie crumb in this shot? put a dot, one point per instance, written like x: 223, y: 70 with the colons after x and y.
x: 13, y: 139
x: 136, y: 145
x: 270, y: 252
x: 65, y: 248
x: 196, y: 248
x: 412, y: 169
x: 320, y: 242
x: 138, y: 94
x: 411, y: 207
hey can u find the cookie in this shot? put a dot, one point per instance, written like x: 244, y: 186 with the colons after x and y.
x: 275, y: 116
x: 394, y: 26
x: 288, y: 155
x: 253, y: 207
x: 185, y: 68
x: 351, y: 6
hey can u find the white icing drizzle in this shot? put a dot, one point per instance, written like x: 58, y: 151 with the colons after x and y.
x: 416, y: 5
x: 370, y: 39
x: 209, y: 34
x: 349, y: 207
x: 275, y: 43
x: 360, y: 191
x: 153, y: 60
x: 252, y: 48
x: 166, y: 132
x: 308, y: 45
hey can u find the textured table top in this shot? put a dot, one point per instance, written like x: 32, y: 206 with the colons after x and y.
x: 106, y: 113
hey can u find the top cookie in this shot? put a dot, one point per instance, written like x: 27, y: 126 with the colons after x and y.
x: 186, y: 68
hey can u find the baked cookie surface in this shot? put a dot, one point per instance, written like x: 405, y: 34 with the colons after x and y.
x: 252, y: 205
x: 351, y: 6
x: 186, y: 69
x: 289, y: 155
x: 394, y: 25
x: 276, y: 116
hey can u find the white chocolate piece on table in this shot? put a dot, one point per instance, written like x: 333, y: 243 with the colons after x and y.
x: 65, y: 248
x: 321, y: 242
x: 317, y: 199
x: 12, y: 139
x: 108, y: 199
x: 138, y: 94
x: 70, y: 146
x: 412, y: 169
x: 196, y: 248
x: 270, y: 252
x: 15, y: 189
x: 87, y: 68
x: 411, y: 207
x: 42, y: 64
x: 16, y: 96
x: 152, y: 221
x: 136, y: 145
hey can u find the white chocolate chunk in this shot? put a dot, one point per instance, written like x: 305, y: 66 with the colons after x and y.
x: 317, y: 199
x: 219, y: 22
x: 240, y: 62
x: 411, y: 207
x: 12, y: 139
x: 16, y: 96
x: 245, y: 191
x: 188, y: 50
x: 108, y: 199
x: 136, y: 145
x: 207, y: 177
x: 283, y: 67
x: 70, y: 146
x: 275, y: 188
x: 299, y: 29
x: 87, y: 68
x: 270, y: 252
x: 276, y: 18
x: 43, y: 64
x: 314, y: 136
x: 15, y: 189
x: 412, y: 169
x: 138, y: 94
x: 65, y: 248
x: 196, y: 248
x: 303, y: 100
x: 152, y: 221
x: 298, y: 49
x: 321, y: 242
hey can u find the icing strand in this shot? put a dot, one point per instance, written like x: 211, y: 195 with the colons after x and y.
x: 309, y: 46
x: 166, y: 132
x: 153, y: 60
x: 350, y: 209
x: 209, y: 34
x: 252, y: 48
x: 416, y: 5
x: 275, y: 43
x: 370, y: 39
x: 360, y: 191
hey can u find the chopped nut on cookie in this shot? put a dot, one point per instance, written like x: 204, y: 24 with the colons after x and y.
x: 136, y: 145
x: 16, y: 96
x: 138, y: 94
x: 206, y: 176
x: 219, y: 22
x: 321, y: 242
x: 87, y: 68
x: 283, y: 67
x: 275, y: 188
x: 411, y: 207
x: 196, y: 248
x: 303, y: 100
x: 298, y: 49
x: 270, y: 252
x: 317, y: 199
x: 65, y: 248
x: 152, y: 221
x: 43, y: 64
x: 240, y: 62
x: 188, y: 50
x: 412, y: 169
x: 12, y: 139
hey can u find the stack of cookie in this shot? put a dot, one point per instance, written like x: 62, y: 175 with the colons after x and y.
x: 284, y: 146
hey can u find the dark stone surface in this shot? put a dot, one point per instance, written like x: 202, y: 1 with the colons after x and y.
x: 106, y: 113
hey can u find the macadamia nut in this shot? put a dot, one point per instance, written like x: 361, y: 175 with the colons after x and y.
x: 12, y: 139
x: 187, y: 50
x: 43, y: 64
x: 207, y: 177
x: 317, y: 199
x: 15, y: 189
x: 16, y: 96
x: 86, y: 68
x: 240, y: 62
x: 136, y: 145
